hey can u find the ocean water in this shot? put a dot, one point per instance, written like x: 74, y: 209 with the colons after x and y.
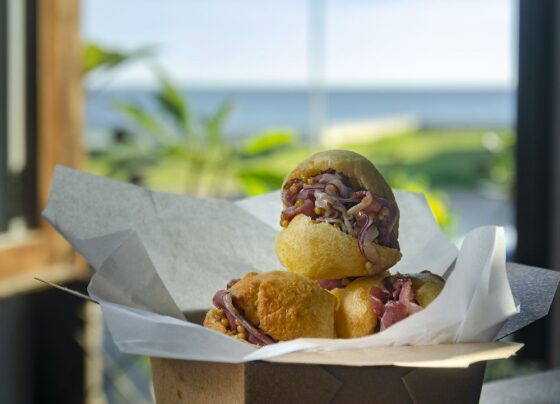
x: 260, y: 109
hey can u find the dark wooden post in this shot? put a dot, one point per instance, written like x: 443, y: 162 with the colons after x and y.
x: 538, y: 165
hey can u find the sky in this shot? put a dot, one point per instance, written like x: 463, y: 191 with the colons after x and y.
x: 368, y: 43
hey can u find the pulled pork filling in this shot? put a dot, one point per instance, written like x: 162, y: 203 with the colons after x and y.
x: 329, y: 197
x: 235, y: 322
x: 393, y: 303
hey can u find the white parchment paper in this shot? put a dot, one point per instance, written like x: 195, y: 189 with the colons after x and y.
x: 158, y: 255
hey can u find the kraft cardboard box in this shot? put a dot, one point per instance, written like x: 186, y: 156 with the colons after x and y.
x: 177, y: 381
x: 448, y: 373
x: 411, y: 374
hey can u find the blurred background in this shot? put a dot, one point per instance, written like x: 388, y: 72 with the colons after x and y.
x: 222, y: 99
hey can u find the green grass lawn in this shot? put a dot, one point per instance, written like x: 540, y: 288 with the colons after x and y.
x: 438, y: 158
x: 445, y: 158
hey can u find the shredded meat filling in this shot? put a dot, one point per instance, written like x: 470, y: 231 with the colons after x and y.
x: 237, y: 324
x: 393, y: 303
x: 329, y: 197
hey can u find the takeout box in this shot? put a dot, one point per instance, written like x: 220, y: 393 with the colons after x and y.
x: 160, y: 257
x: 409, y: 374
x: 261, y: 382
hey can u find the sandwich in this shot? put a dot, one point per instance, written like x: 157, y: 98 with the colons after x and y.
x: 266, y: 307
x: 339, y: 237
x: 340, y: 218
x: 374, y: 303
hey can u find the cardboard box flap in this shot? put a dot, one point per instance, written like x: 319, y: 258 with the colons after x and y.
x: 440, y: 356
x: 460, y: 386
x: 533, y: 289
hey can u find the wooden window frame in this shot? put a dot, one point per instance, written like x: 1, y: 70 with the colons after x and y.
x: 57, y: 125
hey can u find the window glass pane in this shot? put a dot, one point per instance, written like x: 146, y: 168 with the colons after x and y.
x: 425, y: 89
x: 253, y: 54
x: 444, y: 72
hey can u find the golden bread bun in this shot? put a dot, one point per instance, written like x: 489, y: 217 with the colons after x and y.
x: 319, y: 250
x: 354, y: 315
x: 285, y: 305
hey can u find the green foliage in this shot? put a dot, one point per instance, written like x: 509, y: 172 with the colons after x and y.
x: 437, y: 199
x: 502, y: 165
x: 173, y: 104
x: 142, y: 119
x: 97, y: 57
x: 508, y: 368
x: 174, y: 133
x: 267, y: 142
x: 211, y: 161
x: 448, y: 157
x: 254, y: 169
x: 129, y: 161
x: 172, y: 144
x: 259, y: 181
x: 215, y: 123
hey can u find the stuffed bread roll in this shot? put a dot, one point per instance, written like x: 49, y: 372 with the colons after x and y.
x: 263, y: 308
x: 340, y: 218
x: 373, y: 303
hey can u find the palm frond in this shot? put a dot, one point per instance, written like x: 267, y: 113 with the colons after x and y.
x: 145, y: 121
x: 173, y: 103
x: 97, y: 57
x: 215, y: 122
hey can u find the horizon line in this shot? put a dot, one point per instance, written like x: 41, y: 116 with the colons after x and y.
x: 327, y: 87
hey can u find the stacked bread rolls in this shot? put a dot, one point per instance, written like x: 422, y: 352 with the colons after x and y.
x: 339, y: 238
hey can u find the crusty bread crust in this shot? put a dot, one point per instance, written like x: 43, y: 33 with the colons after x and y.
x: 319, y: 250
x: 285, y: 305
x: 210, y: 321
x: 360, y: 171
x: 354, y: 316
